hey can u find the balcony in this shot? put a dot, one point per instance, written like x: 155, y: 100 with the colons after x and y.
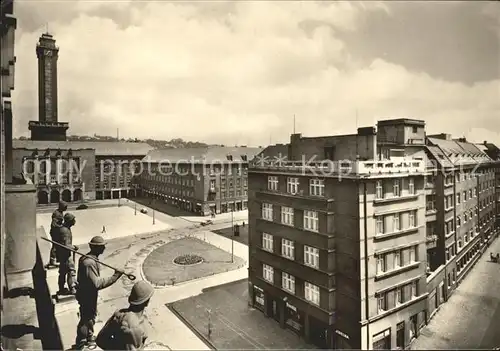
x: 431, y: 241
x: 341, y: 168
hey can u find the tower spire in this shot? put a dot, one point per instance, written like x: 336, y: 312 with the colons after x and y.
x: 47, y: 27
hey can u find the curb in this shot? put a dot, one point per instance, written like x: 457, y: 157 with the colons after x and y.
x: 199, y: 334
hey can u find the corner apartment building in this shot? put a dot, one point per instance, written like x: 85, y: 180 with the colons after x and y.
x: 202, y: 180
x: 338, y: 248
x: 74, y: 171
x: 493, y: 152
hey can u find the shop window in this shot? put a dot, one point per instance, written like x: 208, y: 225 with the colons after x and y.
x: 400, y: 336
x: 382, y: 341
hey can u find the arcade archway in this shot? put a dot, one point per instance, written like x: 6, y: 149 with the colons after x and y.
x: 77, y: 195
x: 43, y: 198
x: 66, y: 195
x: 54, y: 197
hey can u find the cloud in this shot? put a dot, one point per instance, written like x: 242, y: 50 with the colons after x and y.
x: 230, y: 72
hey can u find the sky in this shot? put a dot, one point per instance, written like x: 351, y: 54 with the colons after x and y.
x: 238, y: 72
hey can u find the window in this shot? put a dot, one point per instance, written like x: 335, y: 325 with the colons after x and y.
x: 382, y: 341
x: 267, y: 211
x: 311, y: 220
x: 413, y: 219
x: 395, y: 188
x: 287, y: 215
x: 212, y: 184
x: 287, y: 249
x: 293, y: 185
x: 272, y: 183
x: 465, y: 218
x: 311, y: 293
x: 413, y: 254
x: 379, y: 190
x: 288, y: 282
x: 380, y: 225
x: 311, y: 256
x: 414, y: 288
x: 458, y: 221
x: 431, y: 202
x: 317, y: 187
x: 465, y: 195
x: 381, y: 303
x: 397, y: 259
x: 267, y: 242
x: 458, y: 198
x: 411, y: 186
x: 397, y: 222
x: 399, y: 295
x: 268, y: 273
x: 381, y: 264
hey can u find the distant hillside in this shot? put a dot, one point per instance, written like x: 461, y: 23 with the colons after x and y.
x: 157, y: 144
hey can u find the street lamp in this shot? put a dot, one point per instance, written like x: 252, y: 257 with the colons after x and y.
x: 232, y: 236
x: 209, y: 324
x: 154, y: 194
x: 135, y: 208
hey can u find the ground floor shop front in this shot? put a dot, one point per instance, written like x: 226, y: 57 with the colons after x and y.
x: 290, y: 316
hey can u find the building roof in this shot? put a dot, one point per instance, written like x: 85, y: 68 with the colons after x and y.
x: 438, y: 155
x: 459, y: 152
x: 409, y: 121
x: 210, y: 154
x: 102, y: 148
x: 274, y: 151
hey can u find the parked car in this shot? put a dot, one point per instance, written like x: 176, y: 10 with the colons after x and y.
x: 82, y: 207
x: 207, y: 222
x: 143, y: 210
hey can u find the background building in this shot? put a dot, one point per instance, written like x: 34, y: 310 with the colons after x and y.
x: 361, y: 255
x: 201, y: 180
x: 70, y: 170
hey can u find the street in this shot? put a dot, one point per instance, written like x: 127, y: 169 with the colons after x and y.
x: 471, y: 317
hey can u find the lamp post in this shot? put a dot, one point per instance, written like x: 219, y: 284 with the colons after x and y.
x: 154, y: 193
x: 232, y: 236
x: 135, y: 208
x: 209, y: 324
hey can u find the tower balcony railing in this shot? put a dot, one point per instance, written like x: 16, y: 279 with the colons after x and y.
x: 355, y: 168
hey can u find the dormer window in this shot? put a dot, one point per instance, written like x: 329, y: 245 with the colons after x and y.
x: 229, y: 157
x: 244, y: 157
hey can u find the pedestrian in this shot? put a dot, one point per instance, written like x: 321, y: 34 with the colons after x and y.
x: 67, y: 272
x: 89, y: 284
x: 126, y: 329
x: 55, y: 225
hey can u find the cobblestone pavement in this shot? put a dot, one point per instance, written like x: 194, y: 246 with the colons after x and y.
x: 159, y: 268
x: 471, y: 317
x: 235, y: 325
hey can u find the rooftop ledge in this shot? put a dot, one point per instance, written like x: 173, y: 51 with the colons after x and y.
x: 346, y: 168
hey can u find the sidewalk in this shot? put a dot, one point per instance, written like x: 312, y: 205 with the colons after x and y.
x: 470, y: 318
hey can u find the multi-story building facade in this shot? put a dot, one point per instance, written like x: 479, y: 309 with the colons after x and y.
x: 79, y: 170
x: 460, y: 212
x: 493, y: 152
x: 362, y: 259
x: 202, y: 180
x: 8, y: 24
x: 338, y: 248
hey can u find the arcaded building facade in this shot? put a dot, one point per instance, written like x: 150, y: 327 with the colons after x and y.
x: 338, y: 249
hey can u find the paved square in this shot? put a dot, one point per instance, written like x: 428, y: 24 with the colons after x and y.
x: 119, y: 222
x: 159, y: 267
x: 235, y: 326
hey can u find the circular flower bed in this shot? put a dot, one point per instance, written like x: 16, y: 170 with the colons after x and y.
x: 188, y: 259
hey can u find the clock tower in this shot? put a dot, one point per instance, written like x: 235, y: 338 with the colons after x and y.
x: 47, y: 127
